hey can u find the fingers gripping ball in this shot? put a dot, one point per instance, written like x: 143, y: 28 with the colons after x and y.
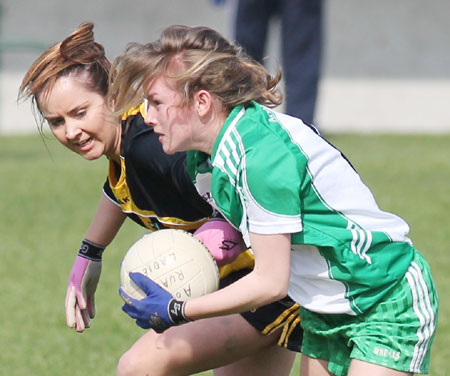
x: 174, y: 259
x: 159, y: 310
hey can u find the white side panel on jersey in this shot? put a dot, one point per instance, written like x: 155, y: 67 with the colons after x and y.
x: 333, y: 175
x: 311, y: 286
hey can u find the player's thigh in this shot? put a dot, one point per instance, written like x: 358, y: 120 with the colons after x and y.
x: 194, y: 347
x: 358, y: 367
x: 313, y: 367
x: 269, y: 361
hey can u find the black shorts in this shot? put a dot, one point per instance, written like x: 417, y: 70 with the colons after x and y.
x: 282, y: 314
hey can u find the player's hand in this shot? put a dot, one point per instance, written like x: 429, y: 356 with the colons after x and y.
x: 159, y: 310
x: 222, y: 240
x: 83, y: 281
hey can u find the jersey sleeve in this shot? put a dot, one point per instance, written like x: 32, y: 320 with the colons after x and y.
x: 272, y: 181
x: 108, y: 192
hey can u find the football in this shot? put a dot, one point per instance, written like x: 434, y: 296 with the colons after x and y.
x: 174, y: 259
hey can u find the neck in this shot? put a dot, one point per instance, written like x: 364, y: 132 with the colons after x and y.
x: 117, y: 143
x: 211, y: 133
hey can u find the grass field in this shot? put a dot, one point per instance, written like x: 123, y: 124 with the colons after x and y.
x: 49, y: 195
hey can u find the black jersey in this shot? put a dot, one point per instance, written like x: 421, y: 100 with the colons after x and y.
x: 152, y: 187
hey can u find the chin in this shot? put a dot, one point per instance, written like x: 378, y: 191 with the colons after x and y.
x: 168, y: 150
x: 91, y: 156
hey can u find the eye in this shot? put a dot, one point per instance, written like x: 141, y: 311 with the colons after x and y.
x: 55, y: 122
x: 80, y: 113
x: 153, y: 103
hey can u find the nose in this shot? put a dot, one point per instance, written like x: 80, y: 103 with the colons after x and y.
x: 73, y: 131
x: 149, y: 117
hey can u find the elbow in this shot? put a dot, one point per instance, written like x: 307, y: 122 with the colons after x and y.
x: 276, y: 291
x: 280, y: 293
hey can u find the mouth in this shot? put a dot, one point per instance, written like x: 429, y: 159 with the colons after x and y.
x: 85, y: 144
x: 159, y: 134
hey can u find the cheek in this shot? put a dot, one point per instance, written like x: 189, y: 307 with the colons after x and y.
x: 59, y: 134
x: 179, y: 137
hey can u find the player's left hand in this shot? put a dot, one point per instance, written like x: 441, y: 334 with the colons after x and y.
x: 221, y: 239
x: 80, y: 301
x: 159, y: 310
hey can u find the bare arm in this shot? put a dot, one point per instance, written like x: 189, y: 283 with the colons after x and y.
x: 106, y: 222
x: 268, y: 281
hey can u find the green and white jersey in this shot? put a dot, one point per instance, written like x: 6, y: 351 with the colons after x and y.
x: 269, y: 173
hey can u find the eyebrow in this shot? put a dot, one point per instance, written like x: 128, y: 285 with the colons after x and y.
x: 151, y: 95
x: 71, y: 111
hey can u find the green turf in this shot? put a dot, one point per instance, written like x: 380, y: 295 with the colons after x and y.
x: 49, y: 196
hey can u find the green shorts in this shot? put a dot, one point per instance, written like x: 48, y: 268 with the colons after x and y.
x: 396, y: 333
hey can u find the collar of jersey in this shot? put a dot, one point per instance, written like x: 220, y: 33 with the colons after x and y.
x: 194, y: 157
x: 230, y: 123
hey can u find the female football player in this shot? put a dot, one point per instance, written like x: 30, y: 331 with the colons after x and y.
x: 368, y: 301
x: 68, y: 84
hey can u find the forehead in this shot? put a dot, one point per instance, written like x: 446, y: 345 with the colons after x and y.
x: 161, y: 85
x: 65, y: 92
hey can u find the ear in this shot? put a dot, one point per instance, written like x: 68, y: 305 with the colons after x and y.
x: 203, y: 102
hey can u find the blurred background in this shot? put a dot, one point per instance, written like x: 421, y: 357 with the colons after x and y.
x: 385, y: 69
x: 385, y: 66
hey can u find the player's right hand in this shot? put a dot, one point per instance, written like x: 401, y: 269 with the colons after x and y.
x: 159, y: 310
x: 81, y: 287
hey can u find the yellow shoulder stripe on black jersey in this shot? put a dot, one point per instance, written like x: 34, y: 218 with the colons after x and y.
x: 142, y: 109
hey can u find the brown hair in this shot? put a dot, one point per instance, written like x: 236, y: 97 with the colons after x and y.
x: 76, y: 54
x: 209, y: 61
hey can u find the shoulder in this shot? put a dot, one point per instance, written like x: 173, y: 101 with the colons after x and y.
x: 262, y: 140
x: 137, y: 136
x: 140, y: 109
x: 141, y: 147
x: 264, y: 158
